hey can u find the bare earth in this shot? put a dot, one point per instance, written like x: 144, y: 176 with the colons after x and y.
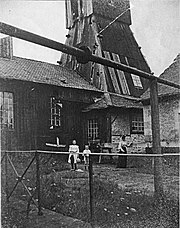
x: 127, y: 179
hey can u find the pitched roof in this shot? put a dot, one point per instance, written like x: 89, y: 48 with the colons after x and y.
x: 114, y: 100
x: 42, y: 72
x: 119, y: 39
x: 116, y: 42
x: 172, y: 73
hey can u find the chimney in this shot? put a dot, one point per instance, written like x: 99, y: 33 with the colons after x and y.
x: 6, y: 47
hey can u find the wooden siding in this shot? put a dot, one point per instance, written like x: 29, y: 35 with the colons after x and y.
x: 32, y: 115
x: 116, y: 42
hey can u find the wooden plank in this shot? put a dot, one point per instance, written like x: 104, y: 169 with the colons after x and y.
x: 87, y: 7
x: 121, y: 76
x: 103, y: 83
x: 108, y: 127
x: 158, y: 163
x: 69, y: 20
x: 80, y: 29
x: 91, y: 200
x: 112, y: 74
x: 69, y: 41
x: 38, y: 183
x: 34, y: 38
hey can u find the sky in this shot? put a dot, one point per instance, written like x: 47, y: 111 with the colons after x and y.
x: 155, y: 24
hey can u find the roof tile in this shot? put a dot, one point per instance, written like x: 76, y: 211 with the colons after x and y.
x: 172, y: 73
x: 42, y: 72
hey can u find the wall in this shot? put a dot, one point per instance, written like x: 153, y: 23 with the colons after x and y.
x: 169, y: 121
x: 32, y: 115
x: 120, y: 123
x: 121, y: 126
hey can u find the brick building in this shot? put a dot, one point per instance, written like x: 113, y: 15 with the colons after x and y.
x: 169, y: 108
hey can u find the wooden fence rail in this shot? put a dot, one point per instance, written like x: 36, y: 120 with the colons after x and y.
x: 36, y: 156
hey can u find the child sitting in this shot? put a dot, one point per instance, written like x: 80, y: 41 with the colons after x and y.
x: 86, y: 153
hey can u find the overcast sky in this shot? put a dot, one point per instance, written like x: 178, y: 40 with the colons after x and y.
x: 155, y: 24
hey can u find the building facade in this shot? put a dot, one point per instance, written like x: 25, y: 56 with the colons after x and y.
x: 104, y: 27
x: 89, y: 102
x: 169, y: 108
x: 40, y: 102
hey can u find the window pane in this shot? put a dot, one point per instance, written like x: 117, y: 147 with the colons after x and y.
x: 137, y: 123
x: 92, y: 129
x: 55, y: 119
x: 6, y: 102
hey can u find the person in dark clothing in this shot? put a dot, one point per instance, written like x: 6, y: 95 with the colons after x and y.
x: 122, y: 160
x: 148, y: 149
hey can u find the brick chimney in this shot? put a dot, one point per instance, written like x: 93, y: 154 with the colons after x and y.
x: 6, y: 47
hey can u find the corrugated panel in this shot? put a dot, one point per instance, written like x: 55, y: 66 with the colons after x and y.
x: 121, y: 76
x: 112, y: 74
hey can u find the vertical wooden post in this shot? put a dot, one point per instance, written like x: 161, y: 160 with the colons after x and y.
x: 158, y: 163
x: 108, y: 139
x: 91, y: 189
x: 108, y: 129
x: 6, y: 174
x: 38, y: 185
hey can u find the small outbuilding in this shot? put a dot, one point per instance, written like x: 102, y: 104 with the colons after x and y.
x: 169, y: 108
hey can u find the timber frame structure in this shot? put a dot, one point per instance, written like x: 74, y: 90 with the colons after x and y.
x: 84, y: 55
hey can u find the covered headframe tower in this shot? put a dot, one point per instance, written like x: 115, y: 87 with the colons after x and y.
x: 104, y: 26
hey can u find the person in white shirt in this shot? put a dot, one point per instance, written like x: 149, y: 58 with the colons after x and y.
x: 73, y: 155
x: 86, y: 153
x: 122, y: 160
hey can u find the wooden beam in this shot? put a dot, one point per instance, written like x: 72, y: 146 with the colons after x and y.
x: 91, y: 200
x: 31, y: 37
x: 158, y: 163
x: 112, y: 74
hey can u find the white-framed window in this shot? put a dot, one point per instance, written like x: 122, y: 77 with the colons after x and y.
x: 6, y: 109
x: 135, y: 78
x: 55, y: 105
x: 93, y: 130
x: 137, y: 124
x: 136, y: 81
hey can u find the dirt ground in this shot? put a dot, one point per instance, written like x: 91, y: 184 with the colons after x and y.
x: 130, y: 180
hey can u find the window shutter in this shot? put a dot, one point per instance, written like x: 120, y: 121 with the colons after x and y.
x: 112, y: 74
x: 121, y: 76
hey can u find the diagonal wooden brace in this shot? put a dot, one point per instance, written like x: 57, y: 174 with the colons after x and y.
x: 20, y: 178
x: 3, y: 157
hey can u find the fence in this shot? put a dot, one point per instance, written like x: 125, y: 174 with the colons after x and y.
x: 36, y: 155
